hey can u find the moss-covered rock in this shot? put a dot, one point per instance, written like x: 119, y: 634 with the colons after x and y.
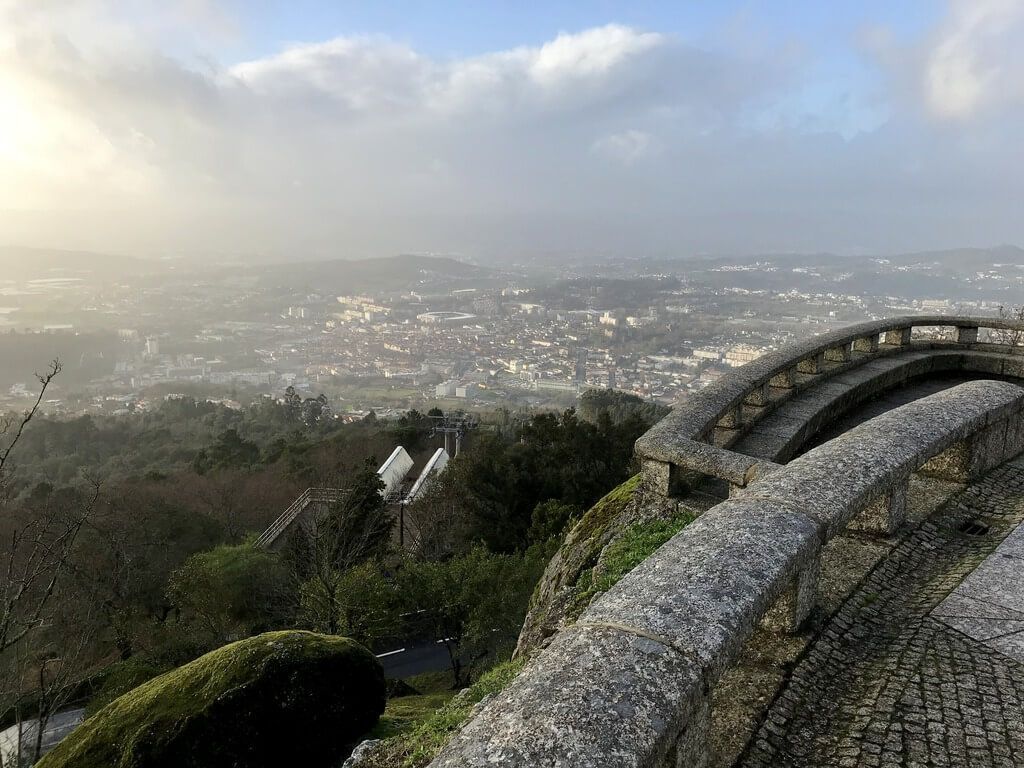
x: 281, y: 698
x: 568, y: 583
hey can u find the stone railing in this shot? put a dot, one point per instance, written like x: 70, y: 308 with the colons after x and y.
x: 629, y: 684
x: 690, y: 443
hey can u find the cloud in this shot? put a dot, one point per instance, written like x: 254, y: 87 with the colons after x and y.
x: 626, y: 147
x: 976, y: 61
x: 376, y: 77
x: 610, y: 138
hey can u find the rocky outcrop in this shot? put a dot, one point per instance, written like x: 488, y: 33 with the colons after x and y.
x: 629, y: 684
x: 281, y: 698
x: 565, y: 589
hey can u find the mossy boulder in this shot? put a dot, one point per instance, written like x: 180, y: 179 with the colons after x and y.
x: 568, y: 583
x: 280, y: 698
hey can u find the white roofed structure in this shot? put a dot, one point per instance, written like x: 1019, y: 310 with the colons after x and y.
x: 393, y: 471
x: 433, y: 467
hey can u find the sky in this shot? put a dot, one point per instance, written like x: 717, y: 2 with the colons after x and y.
x: 497, y: 130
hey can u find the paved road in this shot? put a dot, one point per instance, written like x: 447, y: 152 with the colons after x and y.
x: 59, y: 726
x: 910, y: 671
x: 415, y: 661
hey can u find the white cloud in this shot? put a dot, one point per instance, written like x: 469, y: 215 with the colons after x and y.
x: 374, y: 76
x: 977, y: 61
x: 626, y: 147
x: 609, y: 137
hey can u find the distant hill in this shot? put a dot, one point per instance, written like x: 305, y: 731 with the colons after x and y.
x: 381, y: 274
x: 953, y: 258
x: 19, y: 263
x: 965, y: 258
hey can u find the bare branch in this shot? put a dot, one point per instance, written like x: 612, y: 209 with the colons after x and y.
x: 44, y: 381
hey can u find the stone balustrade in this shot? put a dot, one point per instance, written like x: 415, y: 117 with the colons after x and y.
x: 689, y: 445
x: 629, y: 685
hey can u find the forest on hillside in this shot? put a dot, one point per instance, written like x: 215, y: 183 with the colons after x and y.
x: 138, y: 530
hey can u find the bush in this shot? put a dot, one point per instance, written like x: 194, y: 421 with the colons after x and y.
x: 230, y: 592
x: 281, y: 698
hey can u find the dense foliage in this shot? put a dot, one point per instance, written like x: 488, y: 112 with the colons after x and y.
x: 156, y: 514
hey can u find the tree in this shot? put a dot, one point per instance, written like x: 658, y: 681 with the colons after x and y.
x: 1013, y: 337
x: 354, y: 528
x: 619, y: 406
x: 473, y: 604
x: 315, y: 410
x: 367, y: 603
x: 292, y: 404
x: 38, y: 539
x: 138, y: 534
x: 550, y: 519
x: 436, y: 521
x: 231, y: 592
x: 230, y: 451
x: 53, y: 666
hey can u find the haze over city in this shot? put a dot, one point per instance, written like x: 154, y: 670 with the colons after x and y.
x: 492, y: 384
x: 309, y: 130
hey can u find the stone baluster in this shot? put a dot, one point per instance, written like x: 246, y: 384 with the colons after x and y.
x: 659, y: 476
x: 732, y: 418
x: 796, y: 603
x: 867, y: 344
x: 693, y: 745
x: 813, y: 364
x: 898, y: 337
x: 784, y: 380
x: 885, y: 514
x: 758, y: 396
x: 966, y: 335
x: 840, y: 354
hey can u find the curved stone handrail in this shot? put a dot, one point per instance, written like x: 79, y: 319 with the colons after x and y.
x: 692, y: 438
x: 629, y: 684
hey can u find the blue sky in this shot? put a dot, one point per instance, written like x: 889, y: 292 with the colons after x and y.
x: 828, y: 34
x: 467, y: 28
x: 345, y: 128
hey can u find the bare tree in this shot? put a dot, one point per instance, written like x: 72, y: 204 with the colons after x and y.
x: 59, y: 664
x: 38, y: 540
x: 352, y: 528
x: 1013, y: 337
x: 437, y: 519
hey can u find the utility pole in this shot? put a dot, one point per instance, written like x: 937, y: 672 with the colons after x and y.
x: 456, y: 423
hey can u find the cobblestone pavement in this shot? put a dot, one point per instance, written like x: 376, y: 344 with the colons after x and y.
x: 888, y: 684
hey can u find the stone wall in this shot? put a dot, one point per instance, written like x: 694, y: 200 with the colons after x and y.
x: 629, y: 684
x: 690, y: 444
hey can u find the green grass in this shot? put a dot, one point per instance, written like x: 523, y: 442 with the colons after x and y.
x: 624, y: 554
x: 419, y: 744
x: 406, y: 712
x: 403, y: 714
x: 635, y: 546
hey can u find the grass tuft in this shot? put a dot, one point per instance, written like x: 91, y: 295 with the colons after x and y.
x: 418, y: 745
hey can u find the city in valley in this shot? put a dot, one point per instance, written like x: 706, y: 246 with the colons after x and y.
x: 391, y: 334
x: 587, y: 384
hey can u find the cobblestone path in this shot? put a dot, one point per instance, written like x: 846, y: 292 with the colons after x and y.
x: 888, y: 684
